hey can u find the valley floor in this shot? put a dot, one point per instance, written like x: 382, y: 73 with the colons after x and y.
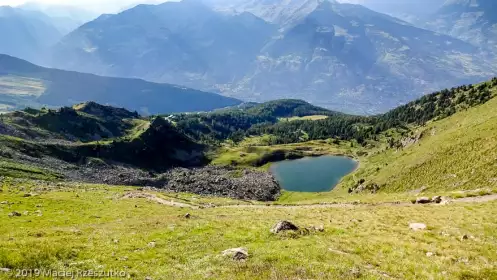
x: 70, y: 227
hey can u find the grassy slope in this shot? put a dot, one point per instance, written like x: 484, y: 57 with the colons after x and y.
x: 459, y: 152
x: 12, y: 169
x: 91, y: 227
x: 456, y: 153
x: 23, y: 86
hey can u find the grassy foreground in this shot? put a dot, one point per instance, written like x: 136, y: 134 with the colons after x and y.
x: 93, y: 228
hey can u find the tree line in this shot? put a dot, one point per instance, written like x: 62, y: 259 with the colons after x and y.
x: 235, y: 124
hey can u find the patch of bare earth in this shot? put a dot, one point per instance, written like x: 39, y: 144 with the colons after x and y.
x: 155, y: 198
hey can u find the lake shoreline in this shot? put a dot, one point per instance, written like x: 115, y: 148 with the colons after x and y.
x: 316, y: 174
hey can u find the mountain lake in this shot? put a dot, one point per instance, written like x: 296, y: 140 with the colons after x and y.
x: 312, y: 174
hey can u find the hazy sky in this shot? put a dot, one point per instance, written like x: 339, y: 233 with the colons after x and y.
x: 109, y: 6
x: 94, y: 5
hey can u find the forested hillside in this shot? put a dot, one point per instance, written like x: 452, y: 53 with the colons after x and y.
x: 90, y: 141
x: 88, y: 132
x: 267, y: 118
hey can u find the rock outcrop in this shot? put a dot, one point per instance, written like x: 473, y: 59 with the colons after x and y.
x: 283, y: 226
x: 236, y: 254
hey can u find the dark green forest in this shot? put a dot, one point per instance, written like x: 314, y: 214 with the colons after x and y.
x: 235, y: 124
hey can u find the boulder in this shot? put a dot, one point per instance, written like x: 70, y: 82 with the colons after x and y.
x: 236, y: 254
x: 283, y: 226
x: 417, y: 226
x: 423, y: 200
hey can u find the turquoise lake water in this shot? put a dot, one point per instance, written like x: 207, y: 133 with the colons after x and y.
x: 319, y: 174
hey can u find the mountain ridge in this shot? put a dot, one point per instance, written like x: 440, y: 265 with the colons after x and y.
x: 29, y: 33
x: 472, y: 21
x: 339, y: 56
x: 26, y: 84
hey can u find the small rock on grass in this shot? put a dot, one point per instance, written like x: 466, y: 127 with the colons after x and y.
x: 236, y: 254
x: 319, y: 228
x: 15, y: 214
x: 283, y: 226
x: 417, y: 226
x: 430, y: 254
x: 5, y: 270
x: 466, y: 237
x: 4, y: 202
x: 437, y: 199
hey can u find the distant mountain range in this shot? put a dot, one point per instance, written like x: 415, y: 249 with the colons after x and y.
x: 340, y: 56
x: 60, y: 11
x: 65, y: 18
x: 474, y: 21
x: 26, y: 34
x: 29, y: 31
x: 24, y: 84
x: 404, y: 9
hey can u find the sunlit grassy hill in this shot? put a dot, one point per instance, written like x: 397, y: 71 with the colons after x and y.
x: 458, y: 152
